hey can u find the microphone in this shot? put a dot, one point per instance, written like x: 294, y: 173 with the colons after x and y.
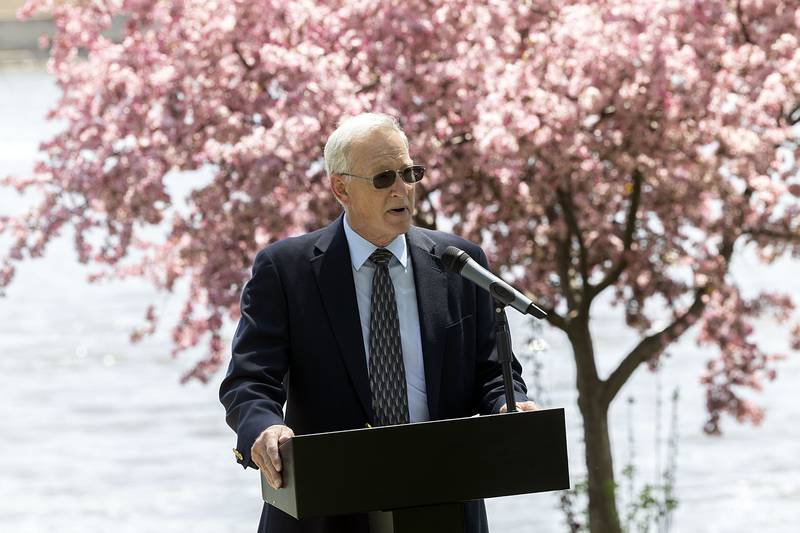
x: 458, y: 261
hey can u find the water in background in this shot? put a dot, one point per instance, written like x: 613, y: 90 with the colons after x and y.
x: 97, y: 435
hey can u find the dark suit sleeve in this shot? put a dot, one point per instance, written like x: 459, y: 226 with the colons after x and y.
x: 253, y: 390
x: 490, y: 392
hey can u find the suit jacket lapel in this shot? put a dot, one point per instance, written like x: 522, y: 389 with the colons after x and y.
x: 334, y: 272
x: 431, y: 287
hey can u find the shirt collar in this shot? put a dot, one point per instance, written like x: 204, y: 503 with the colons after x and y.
x: 361, y: 248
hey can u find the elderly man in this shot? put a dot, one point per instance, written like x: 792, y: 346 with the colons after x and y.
x: 358, y: 323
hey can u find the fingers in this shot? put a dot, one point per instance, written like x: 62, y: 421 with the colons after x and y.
x: 286, y: 434
x: 258, y: 453
x: 266, y: 455
x: 272, y: 453
x: 522, y: 406
x: 278, y: 437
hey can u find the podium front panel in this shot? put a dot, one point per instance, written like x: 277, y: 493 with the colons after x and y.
x: 426, y: 463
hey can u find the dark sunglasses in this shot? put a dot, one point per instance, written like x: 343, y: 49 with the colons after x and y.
x: 385, y: 179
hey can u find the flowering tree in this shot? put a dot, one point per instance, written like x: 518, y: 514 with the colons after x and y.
x: 630, y: 146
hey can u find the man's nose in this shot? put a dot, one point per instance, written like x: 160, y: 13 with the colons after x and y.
x: 399, y: 185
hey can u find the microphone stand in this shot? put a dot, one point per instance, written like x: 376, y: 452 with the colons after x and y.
x: 504, y: 352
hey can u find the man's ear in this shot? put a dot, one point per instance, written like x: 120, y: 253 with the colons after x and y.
x: 339, y: 189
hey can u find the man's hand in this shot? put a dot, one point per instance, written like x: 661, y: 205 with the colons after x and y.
x: 522, y: 406
x: 265, y: 452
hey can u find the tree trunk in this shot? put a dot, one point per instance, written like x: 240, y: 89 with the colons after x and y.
x: 603, y: 517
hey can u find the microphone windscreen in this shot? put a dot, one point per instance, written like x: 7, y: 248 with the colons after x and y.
x: 454, y: 259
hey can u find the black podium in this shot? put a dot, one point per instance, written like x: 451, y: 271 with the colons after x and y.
x: 413, y: 477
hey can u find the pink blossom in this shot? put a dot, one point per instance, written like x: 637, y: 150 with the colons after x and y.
x: 525, y: 115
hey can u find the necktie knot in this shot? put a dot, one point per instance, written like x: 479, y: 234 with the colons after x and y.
x: 381, y: 256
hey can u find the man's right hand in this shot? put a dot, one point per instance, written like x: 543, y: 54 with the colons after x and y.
x: 265, y: 452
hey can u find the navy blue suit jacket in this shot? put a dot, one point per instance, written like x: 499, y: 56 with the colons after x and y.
x: 299, y: 342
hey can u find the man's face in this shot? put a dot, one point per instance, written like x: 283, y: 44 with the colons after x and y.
x: 378, y: 215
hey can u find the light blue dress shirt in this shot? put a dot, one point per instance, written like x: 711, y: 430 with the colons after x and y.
x: 402, y: 274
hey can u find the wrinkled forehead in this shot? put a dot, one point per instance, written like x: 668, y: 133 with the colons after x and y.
x: 377, y: 150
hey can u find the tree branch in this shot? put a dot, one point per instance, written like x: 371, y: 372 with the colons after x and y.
x: 562, y: 260
x: 247, y: 66
x: 565, y: 201
x: 742, y: 23
x: 793, y: 116
x: 774, y: 234
x: 423, y: 198
x: 554, y: 318
x: 651, y: 346
x: 460, y: 138
x: 627, y: 241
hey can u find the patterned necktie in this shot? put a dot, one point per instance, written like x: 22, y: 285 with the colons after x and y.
x: 387, y: 376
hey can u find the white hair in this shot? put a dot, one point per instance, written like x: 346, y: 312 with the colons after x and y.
x: 337, y: 149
